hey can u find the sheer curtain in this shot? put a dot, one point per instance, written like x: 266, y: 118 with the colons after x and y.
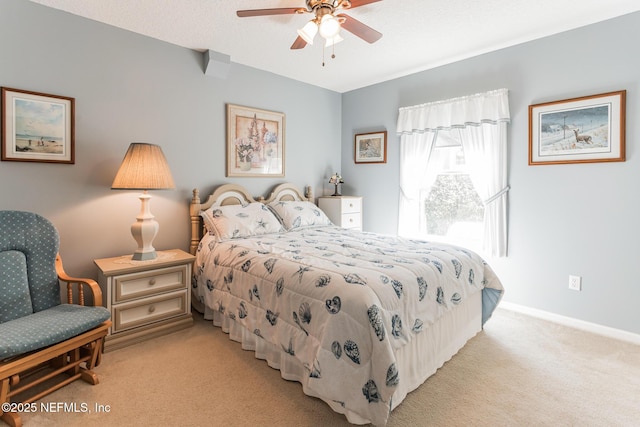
x: 482, y: 122
x: 415, y: 152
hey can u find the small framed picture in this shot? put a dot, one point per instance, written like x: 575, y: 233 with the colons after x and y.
x: 371, y: 147
x: 578, y: 130
x: 37, y: 127
x: 255, y: 142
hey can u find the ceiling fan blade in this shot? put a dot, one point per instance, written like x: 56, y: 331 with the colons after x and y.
x: 299, y: 43
x: 361, y: 30
x: 358, y: 3
x: 276, y: 11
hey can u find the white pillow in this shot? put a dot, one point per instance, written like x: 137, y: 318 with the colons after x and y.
x: 299, y: 214
x: 240, y: 221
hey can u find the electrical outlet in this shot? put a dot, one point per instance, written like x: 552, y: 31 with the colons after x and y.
x: 575, y: 283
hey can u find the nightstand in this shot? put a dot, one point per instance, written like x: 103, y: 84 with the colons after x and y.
x: 343, y: 211
x: 146, y: 298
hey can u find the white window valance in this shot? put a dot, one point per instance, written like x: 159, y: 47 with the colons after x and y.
x: 481, y: 123
x: 489, y: 107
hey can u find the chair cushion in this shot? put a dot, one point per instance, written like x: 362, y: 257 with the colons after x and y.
x: 48, y: 327
x: 38, y: 240
x: 14, y: 286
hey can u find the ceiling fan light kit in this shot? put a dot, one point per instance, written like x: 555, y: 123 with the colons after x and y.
x: 334, y: 40
x: 308, y: 32
x: 326, y: 22
x: 329, y: 26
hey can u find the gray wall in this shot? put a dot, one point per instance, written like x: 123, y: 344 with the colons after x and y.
x: 576, y: 219
x: 130, y: 88
x: 565, y: 219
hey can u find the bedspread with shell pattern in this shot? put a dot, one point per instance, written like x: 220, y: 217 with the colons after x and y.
x: 339, y: 300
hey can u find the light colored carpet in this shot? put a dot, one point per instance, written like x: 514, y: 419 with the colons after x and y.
x: 519, y: 371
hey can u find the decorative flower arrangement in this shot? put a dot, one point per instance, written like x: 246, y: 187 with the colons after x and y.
x: 245, y: 149
x: 335, y: 180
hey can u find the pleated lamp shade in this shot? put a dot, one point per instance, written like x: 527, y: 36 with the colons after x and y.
x: 144, y: 167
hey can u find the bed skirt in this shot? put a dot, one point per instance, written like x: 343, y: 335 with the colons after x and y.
x: 436, y: 345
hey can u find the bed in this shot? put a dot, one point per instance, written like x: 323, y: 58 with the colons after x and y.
x: 359, y: 319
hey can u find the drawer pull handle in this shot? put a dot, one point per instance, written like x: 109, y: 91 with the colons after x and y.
x: 350, y: 205
x: 350, y: 219
x: 152, y: 308
x: 152, y: 282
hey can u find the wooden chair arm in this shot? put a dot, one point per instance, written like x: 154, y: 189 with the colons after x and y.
x: 92, y: 284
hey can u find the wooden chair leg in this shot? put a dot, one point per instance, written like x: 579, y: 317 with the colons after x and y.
x: 93, y: 349
x: 11, y: 418
x: 4, y: 389
x: 89, y: 377
x: 100, y: 350
x: 86, y: 373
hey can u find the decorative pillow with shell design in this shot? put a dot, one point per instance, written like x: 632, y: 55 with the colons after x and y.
x: 240, y: 221
x: 298, y: 214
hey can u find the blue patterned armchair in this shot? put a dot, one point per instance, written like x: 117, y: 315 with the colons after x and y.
x: 41, y: 338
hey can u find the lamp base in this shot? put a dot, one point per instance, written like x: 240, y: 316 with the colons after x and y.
x: 335, y: 193
x: 144, y: 230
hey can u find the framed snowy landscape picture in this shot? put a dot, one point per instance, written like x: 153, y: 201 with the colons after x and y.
x: 578, y: 130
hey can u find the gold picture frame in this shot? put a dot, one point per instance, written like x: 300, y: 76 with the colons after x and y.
x: 370, y: 147
x: 588, y: 129
x: 37, y: 127
x: 255, y: 142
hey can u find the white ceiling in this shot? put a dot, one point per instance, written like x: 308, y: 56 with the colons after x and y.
x: 417, y: 34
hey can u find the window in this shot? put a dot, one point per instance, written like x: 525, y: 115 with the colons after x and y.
x: 452, y: 209
x: 479, y: 124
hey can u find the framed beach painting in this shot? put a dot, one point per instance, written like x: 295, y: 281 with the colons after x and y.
x: 255, y: 142
x: 371, y: 147
x: 37, y: 127
x: 578, y: 130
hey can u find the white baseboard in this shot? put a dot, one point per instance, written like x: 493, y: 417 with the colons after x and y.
x: 573, y: 323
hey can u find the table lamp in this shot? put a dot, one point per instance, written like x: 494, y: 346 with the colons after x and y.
x: 335, y: 180
x: 144, y: 167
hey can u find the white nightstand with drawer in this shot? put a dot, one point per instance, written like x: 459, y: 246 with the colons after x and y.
x: 343, y: 211
x: 146, y: 298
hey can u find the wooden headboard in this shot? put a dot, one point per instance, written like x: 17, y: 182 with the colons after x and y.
x: 234, y: 194
x: 288, y: 192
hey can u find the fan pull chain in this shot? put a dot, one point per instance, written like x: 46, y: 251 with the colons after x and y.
x: 333, y: 53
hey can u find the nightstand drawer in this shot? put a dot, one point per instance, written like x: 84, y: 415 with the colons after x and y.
x: 135, y: 285
x: 351, y: 205
x: 351, y: 220
x: 149, y: 310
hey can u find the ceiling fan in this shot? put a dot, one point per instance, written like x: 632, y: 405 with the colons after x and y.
x: 326, y: 21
